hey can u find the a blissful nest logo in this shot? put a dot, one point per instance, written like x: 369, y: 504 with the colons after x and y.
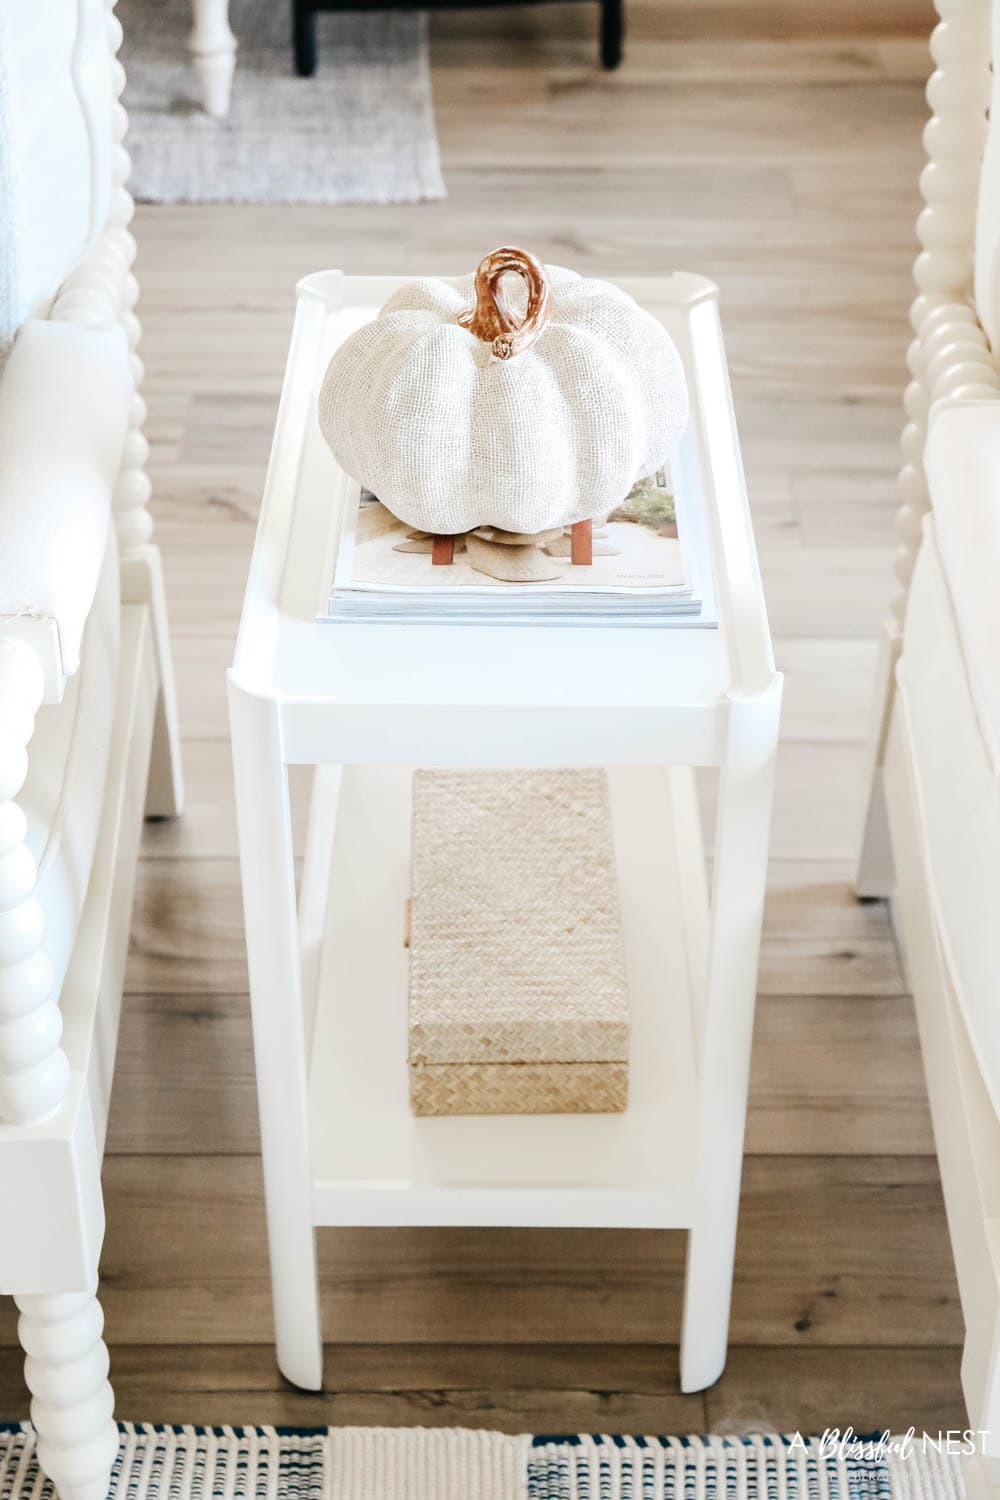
x: 878, y: 1447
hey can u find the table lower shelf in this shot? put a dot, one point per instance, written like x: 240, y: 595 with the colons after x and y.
x: 373, y: 1161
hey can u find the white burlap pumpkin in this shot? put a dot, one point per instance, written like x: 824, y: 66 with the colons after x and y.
x: 459, y: 407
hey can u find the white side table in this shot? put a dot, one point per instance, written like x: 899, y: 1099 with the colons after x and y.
x: 328, y: 976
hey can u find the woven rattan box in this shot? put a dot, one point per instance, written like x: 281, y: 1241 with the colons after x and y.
x: 518, y: 999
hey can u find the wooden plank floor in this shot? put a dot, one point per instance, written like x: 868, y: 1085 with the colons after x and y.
x: 756, y: 144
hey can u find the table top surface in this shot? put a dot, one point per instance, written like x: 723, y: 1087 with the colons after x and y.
x: 284, y: 651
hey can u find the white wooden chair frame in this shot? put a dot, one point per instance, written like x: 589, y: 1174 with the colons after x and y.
x: 950, y: 361
x: 57, y: 1048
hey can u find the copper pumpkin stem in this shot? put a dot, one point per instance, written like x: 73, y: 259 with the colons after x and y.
x: 492, y: 319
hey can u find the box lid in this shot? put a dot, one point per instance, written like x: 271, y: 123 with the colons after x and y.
x: 516, y: 948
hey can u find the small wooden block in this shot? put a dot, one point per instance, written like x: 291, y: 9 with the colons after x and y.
x: 443, y: 551
x: 582, y: 544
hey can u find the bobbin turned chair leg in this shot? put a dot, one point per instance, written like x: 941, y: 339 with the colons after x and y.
x: 72, y: 1405
x: 139, y: 557
x: 582, y: 544
x: 442, y: 551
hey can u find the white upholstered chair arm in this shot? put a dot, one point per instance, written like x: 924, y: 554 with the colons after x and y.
x: 64, y: 407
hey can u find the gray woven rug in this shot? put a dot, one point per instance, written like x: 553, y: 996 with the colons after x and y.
x: 360, y: 131
x: 384, y: 1463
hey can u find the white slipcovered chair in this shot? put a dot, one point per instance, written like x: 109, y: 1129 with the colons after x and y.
x: 88, y: 735
x: 932, y: 833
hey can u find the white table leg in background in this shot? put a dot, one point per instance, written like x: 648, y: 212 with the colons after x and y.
x: 268, y: 876
x: 213, y: 48
x: 875, y: 875
x: 739, y: 879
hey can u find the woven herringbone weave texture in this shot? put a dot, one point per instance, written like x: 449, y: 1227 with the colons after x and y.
x: 518, y: 1088
x: 516, y: 949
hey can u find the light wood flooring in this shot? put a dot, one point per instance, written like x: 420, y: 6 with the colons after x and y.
x: 766, y: 147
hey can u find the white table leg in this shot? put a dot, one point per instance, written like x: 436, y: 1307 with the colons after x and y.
x: 72, y: 1406
x: 213, y: 48
x: 268, y: 875
x: 875, y: 875
x: 738, y: 884
x: 314, y: 885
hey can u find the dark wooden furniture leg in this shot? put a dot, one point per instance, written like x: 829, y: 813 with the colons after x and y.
x: 442, y: 551
x: 304, y: 37
x: 304, y: 26
x: 612, y: 32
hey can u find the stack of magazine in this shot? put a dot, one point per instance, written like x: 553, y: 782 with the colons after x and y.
x: 648, y: 569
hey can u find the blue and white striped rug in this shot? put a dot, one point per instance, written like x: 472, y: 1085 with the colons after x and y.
x: 380, y: 1463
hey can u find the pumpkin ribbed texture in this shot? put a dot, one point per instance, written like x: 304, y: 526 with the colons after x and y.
x: 449, y: 437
